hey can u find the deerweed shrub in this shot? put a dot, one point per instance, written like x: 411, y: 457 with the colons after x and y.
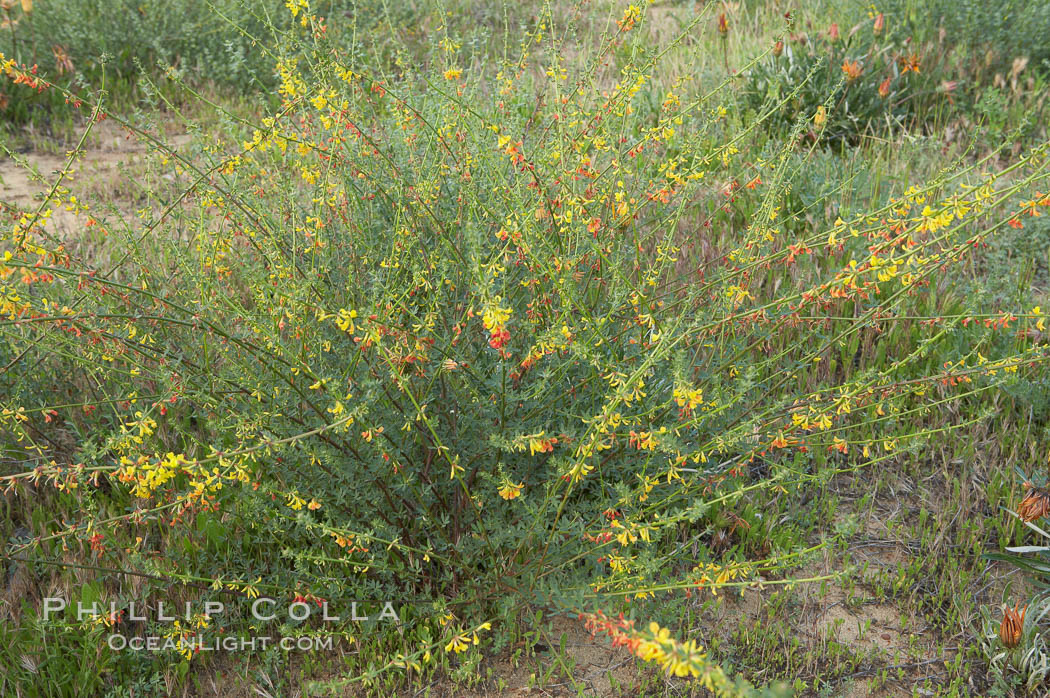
x: 488, y: 335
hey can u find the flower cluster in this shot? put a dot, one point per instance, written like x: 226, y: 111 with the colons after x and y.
x: 655, y: 644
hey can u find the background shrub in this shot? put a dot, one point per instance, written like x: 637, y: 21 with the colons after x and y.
x: 988, y: 35
x: 215, y: 41
x: 867, y: 82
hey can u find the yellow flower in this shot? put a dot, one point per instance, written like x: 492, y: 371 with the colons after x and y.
x: 453, y: 74
x: 630, y: 18
x: 344, y: 320
x: 457, y: 644
x: 688, y: 398
x: 1040, y: 323
x: 510, y: 490
x: 539, y: 444
x: 820, y: 117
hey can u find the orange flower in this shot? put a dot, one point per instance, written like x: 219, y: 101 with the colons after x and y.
x: 539, y: 444
x: 495, y: 318
x: 880, y: 22
x: 909, y: 62
x: 884, y: 88
x: 631, y: 16
x: 852, y: 69
x: 1012, y: 627
x: 723, y: 24
x: 1035, y: 505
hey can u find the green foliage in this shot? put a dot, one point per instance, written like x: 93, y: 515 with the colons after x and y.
x: 216, y: 41
x: 53, y: 658
x: 222, y: 43
x: 867, y: 83
x: 557, y: 330
x: 988, y: 34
